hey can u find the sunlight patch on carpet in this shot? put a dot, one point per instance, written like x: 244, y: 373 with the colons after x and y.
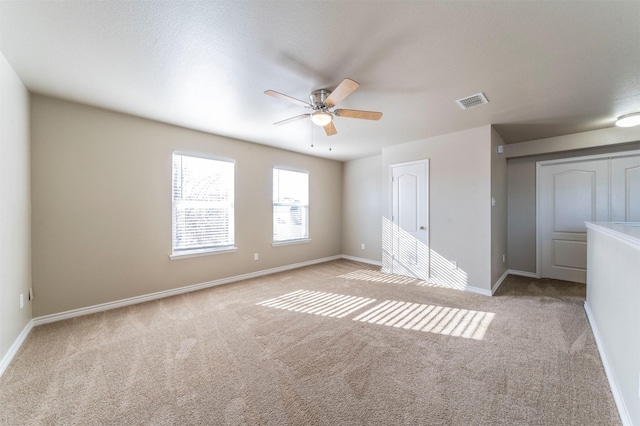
x: 450, y: 281
x: 433, y: 319
x: 318, y: 303
x: 379, y: 277
x: 454, y: 322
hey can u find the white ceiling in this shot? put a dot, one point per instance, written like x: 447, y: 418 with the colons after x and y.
x: 548, y: 68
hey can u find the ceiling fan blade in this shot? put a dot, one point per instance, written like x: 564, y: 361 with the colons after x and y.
x: 286, y: 98
x: 356, y: 113
x: 343, y: 90
x: 330, y: 129
x: 289, y: 120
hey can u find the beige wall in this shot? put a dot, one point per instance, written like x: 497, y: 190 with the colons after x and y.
x: 521, y: 178
x: 15, y: 207
x: 499, y: 211
x: 362, y: 208
x: 101, y: 185
x: 459, y: 202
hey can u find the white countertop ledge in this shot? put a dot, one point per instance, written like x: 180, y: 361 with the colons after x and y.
x: 627, y: 232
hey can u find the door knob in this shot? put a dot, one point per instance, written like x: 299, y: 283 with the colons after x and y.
x: 422, y: 228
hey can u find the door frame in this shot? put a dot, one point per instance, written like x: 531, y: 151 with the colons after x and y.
x: 568, y: 160
x: 424, y: 161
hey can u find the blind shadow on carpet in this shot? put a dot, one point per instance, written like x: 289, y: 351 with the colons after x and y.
x: 331, y: 344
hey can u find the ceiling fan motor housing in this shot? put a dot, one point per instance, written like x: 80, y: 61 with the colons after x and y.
x: 318, y: 97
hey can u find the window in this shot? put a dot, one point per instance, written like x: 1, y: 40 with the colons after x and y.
x: 290, y: 205
x: 203, y: 216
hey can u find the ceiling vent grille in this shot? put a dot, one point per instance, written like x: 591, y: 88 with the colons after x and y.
x: 471, y: 101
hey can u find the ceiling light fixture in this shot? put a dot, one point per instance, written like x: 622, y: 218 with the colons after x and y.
x: 629, y: 120
x: 321, y: 118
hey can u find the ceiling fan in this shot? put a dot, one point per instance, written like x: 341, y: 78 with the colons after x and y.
x: 322, y: 103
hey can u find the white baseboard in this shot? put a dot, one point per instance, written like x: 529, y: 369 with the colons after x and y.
x: 362, y: 260
x: 168, y: 293
x: 617, y: 396
x: 522, y: 273
x: 477, y: 290
x: 8, y: 357
x: 494, y: 288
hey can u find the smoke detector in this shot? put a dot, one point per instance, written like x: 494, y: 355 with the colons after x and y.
x: 473, y: 100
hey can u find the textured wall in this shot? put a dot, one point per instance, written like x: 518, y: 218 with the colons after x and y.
x: 459, y: 204
x: 499, y: 211
x: 613, y: 302
x: 362, y: 208
x: 15, y: 206
x: 521, y: 178
x: 102, y: 206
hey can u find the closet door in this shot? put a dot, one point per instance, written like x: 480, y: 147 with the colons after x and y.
x: 625, y: 189
x: 570, y: 193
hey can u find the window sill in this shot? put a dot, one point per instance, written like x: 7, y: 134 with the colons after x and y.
x: 290, y: 242
x: 207, y: 252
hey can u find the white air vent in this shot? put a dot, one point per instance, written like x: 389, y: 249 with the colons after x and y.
x: 471, y: 101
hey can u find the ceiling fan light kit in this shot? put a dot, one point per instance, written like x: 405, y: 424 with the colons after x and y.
x: 322, y: 101
x: 321, y: 118
x: 629, y: 120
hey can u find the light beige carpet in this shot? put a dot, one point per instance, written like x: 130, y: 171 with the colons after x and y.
x: 332, y: 344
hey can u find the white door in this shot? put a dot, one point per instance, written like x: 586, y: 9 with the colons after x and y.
x: 625, y: 189
x: 409, y: 217
x: 570, y: 194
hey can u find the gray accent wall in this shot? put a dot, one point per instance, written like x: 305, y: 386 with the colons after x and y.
x: 15, y: 207
x: 101, y: 185
x: 521, y: 188
x: 362, y: 209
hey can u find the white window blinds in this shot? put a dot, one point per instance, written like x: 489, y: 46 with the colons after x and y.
x: 203, y: 216
x: 290, y: 205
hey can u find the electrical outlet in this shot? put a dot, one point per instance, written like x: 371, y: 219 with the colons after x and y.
x: 454, y: 264
x: 504, y: 258
x: 31, y: 294
x: 493, y: 201
x: 362, y: 246
x: 255, y: 256
x: 21, y: 300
